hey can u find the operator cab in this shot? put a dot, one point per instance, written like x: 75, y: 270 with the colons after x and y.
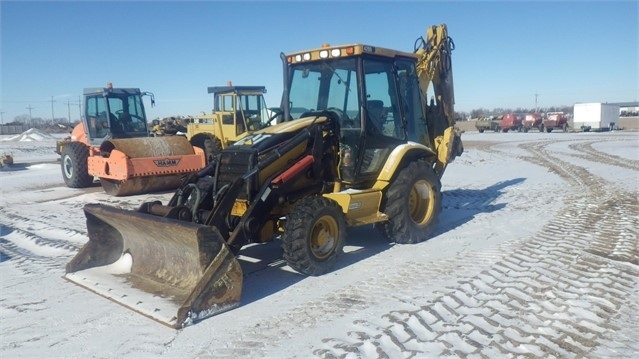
x: 242, y: 107
x: 115, y: 113
x: 372, y: 92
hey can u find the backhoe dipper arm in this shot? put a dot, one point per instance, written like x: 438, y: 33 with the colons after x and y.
x: 435, y: 67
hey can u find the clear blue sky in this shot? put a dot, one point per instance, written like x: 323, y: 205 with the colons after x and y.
x: 506, y: 52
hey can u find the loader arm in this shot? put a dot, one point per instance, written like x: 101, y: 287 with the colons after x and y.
x: 434, y: 67
x: 276, y: 186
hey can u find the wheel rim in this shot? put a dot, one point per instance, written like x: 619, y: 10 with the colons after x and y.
x: 323, y: 237
x: 67, y: 166
x: 421, y: 202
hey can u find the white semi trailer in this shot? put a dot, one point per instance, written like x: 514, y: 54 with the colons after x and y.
x: 595, y: 116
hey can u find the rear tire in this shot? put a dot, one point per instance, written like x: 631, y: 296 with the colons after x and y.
x: 412, y: 203
x: 74, y: 165
x: 314, y: 235
x: 211, y: 146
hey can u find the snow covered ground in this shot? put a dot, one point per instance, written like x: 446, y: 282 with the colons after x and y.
x: 536, y: 254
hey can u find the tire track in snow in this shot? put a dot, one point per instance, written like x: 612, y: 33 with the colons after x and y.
x: 589, y: 153
x: 43, y: 239
x: 560, y: 295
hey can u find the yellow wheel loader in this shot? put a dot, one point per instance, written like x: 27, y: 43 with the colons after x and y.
x: 237, y: 111
x: 358, y: 143
x: 112, y: 143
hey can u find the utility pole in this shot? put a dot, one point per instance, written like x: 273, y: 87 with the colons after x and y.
x: 30, y: 108
x: 52, y: 116
x: 80, y: 106
x: 1, y: 118
x: 536, y: 107
x: 69, y: 103
x: 69, y: 111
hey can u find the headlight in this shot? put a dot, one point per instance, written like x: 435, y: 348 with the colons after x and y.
x: 336, y: 52
x: 306, y: 56
x: 323, y: 54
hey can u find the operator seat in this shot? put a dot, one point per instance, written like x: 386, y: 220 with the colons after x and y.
x: 126, y: 121
x: 375, y: 110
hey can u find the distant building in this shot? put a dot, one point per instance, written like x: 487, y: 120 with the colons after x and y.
x: 628, y: 109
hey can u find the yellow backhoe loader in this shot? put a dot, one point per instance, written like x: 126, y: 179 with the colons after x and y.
x: 358, y: 143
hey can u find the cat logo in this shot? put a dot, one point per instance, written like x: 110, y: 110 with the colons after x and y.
x: 167, y: 162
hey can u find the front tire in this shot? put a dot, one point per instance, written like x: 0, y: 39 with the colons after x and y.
x: 314, y: 235
x: 211, y: 146
x: 74, y: 165
x: 412, y: 203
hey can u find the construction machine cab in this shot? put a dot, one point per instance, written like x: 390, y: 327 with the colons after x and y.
x: 115, y: 113
x: 373, y: 92
x: 242, y: 107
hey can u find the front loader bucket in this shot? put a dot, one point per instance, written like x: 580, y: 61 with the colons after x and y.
x: 172, y: 271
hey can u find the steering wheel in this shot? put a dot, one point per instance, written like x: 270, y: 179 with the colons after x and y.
x: 343, y: 118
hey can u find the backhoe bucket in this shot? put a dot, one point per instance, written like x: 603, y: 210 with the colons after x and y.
x: 172, y: 271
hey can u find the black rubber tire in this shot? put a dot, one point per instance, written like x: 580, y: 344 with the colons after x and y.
x: 548, y: 129
x: 74, y: 165
x: 481, y: 131
x: 210, y: 144
x: 314, y: 235
x: 412, y: 217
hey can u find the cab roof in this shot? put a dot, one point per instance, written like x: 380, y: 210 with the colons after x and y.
x: 105, y: 90
x: 236, y: 89
x: 342, y: 51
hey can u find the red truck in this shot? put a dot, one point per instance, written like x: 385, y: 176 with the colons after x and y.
x: 511, y: 121
x: 556, y: 120
x: 533, y: 120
